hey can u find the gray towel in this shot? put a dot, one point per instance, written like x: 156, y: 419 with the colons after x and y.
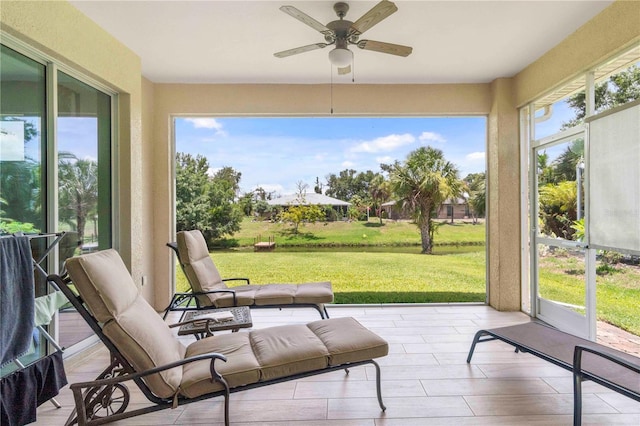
x: 17, y: 294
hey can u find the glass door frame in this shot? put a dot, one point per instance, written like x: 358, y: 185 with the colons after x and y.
x: 539, y: 307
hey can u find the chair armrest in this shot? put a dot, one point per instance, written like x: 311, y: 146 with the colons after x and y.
x: 132, y: 376
x: 237, y: 279
x: 577, y: 359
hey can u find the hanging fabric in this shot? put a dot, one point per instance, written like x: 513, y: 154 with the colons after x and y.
x: 17, y: 296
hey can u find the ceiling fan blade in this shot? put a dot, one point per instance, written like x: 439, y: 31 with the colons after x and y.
x: 379, y: 12
x: 390, y: 48
x: 300, y: 49
x: 344, y: 70
x: 305, y: 19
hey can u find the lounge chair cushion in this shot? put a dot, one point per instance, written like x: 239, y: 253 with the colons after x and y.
x: 355, y: 345
x: 275, y: 294
x: 130, y: 322
x: 204, y: 276
x: 282, y: 351
x: 241, y: 367
x: 198, y: 266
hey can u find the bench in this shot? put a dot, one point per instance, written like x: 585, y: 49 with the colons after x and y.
x: 587, y: 360
x: 145, y: 351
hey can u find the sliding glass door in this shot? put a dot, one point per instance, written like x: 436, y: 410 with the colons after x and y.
x: 55, y: 166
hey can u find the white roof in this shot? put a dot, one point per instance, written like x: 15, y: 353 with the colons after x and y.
x: 309, y: 198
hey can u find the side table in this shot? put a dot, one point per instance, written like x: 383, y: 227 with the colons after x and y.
x: 241, y: 319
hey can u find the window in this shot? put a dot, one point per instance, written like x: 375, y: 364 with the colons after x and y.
x: 54, y: 181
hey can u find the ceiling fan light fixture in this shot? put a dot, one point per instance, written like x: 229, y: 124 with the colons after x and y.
x: 341, y: 57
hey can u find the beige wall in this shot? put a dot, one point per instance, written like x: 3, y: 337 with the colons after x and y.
x: 60, y: 31
x: 145, y: 150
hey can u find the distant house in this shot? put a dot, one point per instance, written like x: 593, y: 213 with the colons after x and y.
x: 340, y: 207
x: 458, y: 208
x: 309, y: 199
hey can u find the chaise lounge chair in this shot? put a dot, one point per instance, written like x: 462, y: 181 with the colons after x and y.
x: 587, y: 360
x: 145, y: 351
x: 211, y: 291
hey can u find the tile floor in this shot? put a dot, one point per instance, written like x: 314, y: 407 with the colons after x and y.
x: 425, y: 380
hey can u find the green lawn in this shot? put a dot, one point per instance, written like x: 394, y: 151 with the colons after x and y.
x: 366, y: 277
x: 356, y: 233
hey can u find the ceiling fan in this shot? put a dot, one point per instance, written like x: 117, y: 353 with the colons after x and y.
x: 343, y: 33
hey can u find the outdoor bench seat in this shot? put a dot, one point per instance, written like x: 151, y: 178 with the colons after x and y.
x: 209, y: 289
x: 144, y: 349
x: 613, y: 369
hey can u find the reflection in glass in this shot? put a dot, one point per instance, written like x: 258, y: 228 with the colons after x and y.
x: 22, y: 160
x: 84, y: 179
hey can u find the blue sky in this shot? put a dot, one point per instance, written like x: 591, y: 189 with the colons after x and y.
x: 276, y: 153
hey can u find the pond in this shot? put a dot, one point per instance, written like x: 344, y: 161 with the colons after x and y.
x: 437, y: 250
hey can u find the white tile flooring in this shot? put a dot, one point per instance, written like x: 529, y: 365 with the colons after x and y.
x: 425, y: 380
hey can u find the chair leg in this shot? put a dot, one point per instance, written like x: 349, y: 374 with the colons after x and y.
x: 577, y: 399
x: 378, y: 386
x: 476, y: 339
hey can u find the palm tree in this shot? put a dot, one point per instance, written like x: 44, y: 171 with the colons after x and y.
x: 78, y: 192
x: 422, y: 183
x: 380, y: 191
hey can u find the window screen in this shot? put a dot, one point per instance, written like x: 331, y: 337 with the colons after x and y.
x: 614, y: 179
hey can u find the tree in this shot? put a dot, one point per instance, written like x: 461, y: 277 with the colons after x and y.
x: 318, y: 187
x: 618, y: 89
x: 476, y: 187
x: 203, y: 202
x: 349, y: 183
x: 225, y: 214
x: 78, y: 183
x: 380, y: 191
x: 423, y: 182
x: 192, y: 183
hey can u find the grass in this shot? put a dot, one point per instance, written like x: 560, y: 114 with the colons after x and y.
x: 617, y: 289
x: 366, y: 277
x: 358, y: 233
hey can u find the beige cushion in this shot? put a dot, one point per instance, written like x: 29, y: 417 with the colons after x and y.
x: 204, y: 276
x: 241, y: 367
x: 314, y: 293
x: 277, y: 352
x: 200, y: 270
x: 288, y: 349
x: 348, y: 341
x: 132, y: 325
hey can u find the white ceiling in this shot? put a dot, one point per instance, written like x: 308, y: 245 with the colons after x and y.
x: 234, y: 41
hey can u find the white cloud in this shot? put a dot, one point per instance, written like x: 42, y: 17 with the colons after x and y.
x: 212, y: 172
x: 386, y: 159
x: 348, y: 164
x: 274, y: 188
x: 207, y: 123
x: 475, y: 156
x: 431, y: 137
x: 385, y: 143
